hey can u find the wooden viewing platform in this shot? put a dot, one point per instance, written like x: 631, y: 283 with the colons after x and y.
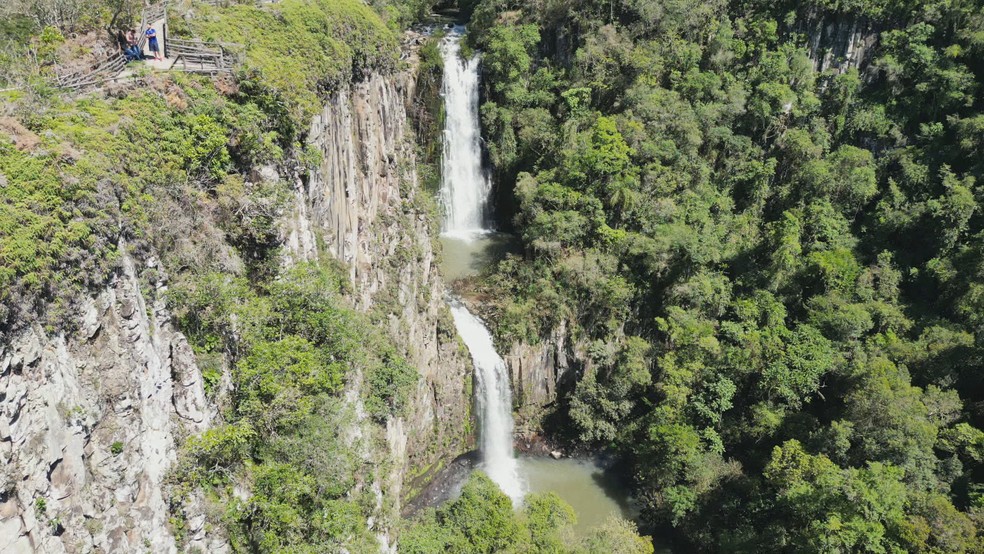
x: 191, y: 56
x: 107, y: 70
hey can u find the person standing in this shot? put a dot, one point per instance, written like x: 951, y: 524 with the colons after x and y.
x: 152, y: 43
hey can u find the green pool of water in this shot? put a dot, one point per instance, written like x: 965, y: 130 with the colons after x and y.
x: 466, y: 257
x: 594, y: 494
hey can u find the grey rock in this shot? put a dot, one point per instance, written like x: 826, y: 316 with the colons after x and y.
x: 356, y: 200
x: 90, y: 319
x: 110, y: 382
x: 128, y: 309
x: 130, y: 377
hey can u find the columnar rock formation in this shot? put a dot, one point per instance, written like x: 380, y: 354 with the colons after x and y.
x: 839, y: 43
x: 365, y: 201
x: 91, y: 419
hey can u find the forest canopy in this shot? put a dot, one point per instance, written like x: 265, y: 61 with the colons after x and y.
x: 762, y: 222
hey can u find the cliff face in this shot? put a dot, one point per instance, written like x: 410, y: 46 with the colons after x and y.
x: 89, y: 424
x: 91, y: 420
x: 540, y: 374
x: 363, y: 202
x: 839, y: 42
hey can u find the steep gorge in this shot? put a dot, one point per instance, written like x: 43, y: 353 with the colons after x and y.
x: 91, y: 423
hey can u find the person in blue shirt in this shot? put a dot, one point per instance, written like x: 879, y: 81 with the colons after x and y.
x: 152, y: 44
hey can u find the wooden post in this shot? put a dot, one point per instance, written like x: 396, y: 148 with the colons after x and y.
x: 164, y: 32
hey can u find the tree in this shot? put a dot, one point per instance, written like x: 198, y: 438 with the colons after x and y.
x: 483, y: 515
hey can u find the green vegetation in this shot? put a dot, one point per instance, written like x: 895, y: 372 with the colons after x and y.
x: 84, y: 178
x: 482, y: 521
x: 400, y: 14
x: 104, y: 173
x: 427, y: 114
x: 163, y: 173
x: 303, y: 50
x: 772, y: 271
x: 283, y: 434
x: 33, y: 36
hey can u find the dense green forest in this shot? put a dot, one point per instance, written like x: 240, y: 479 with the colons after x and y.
x: 483, y: 520
x: 161, y: 170
x: 775, y: 271
x: 774, y: 264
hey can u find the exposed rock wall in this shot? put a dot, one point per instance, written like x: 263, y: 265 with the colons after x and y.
x: 839, y: 42
x: 540, y: 374
x: 89, y: 424
x: 90, y: 421
x: 363, y: 202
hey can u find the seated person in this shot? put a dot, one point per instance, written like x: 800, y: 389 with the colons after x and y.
x: 132, y: 51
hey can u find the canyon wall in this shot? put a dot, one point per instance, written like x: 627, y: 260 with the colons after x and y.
x: 839, y: 42
x: 540, y: 374
x: 91, y: 419
x: 364, y: 204
x: 90, y: 422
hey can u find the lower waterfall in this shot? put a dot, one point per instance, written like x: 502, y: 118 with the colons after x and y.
x: 493, y: 400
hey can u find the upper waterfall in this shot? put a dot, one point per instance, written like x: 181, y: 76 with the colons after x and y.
x: 465, y: 188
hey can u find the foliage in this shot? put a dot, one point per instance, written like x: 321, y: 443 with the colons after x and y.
x: 60, y: 232
x: 70, y: 15
x: 161, y: 179
x: 303, y: 51
x: 298, y: 346
x: 482, y: 520
x: 765, y: 266
x: 104, y: 173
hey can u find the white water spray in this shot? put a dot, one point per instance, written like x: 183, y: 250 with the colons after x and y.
x: 494, y: 403
x: 464, y: 186
x: 464, y: 196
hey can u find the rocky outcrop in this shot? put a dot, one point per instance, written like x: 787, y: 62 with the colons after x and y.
x: 89, y: 424
x: 540, y: 374
x: 91, y: 420
x: 364, y: 204
x: 839, y: 42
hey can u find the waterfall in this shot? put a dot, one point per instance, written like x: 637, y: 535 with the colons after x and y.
x: 464, y: 196
x: 464, y: 186
x: 493, y: 402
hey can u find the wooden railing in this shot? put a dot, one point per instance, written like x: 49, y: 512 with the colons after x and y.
x: 197, y: 56
x: 116, y: 63
x: 106, y: 70
x: 193, y: 56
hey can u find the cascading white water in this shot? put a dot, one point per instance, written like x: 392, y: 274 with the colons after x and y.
x: 464, y: 196
x: 464, y: 186
x: 494, y: 403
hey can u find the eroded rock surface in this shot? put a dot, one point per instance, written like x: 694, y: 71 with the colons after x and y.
x: 363, y: 201
x: 89, y: 424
